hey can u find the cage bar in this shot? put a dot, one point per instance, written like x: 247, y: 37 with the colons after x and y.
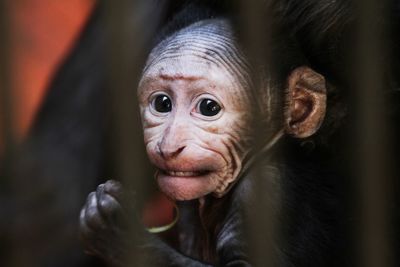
x: 260, y: 229
x: 6, y: 125
x: 128, y: 44
x: 6, y: 104
x: 372, y: 132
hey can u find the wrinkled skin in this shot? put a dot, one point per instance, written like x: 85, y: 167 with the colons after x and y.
x: 188, y: 142
x: 195, y: 154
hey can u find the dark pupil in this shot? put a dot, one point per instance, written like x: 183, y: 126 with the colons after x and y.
x: 162, y: 103
x: 209, y: 107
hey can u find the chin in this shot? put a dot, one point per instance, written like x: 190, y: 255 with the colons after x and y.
x: 184, y: 188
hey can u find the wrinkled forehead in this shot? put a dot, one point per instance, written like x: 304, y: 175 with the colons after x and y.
x: 209, y: 42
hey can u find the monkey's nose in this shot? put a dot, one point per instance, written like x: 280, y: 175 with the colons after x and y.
x: 168, y: 153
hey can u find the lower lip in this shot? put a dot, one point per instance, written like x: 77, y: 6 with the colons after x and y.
x: 181, y: 174
x: 184, y: 187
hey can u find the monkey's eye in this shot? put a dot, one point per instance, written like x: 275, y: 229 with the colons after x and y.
x: 209, y: 107
x: 162, y: 103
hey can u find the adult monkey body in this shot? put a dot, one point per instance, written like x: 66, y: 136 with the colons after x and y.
x: 197, y: 109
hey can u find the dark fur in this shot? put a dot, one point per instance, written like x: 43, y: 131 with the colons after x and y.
x: 310, y: 226
x: 310, y: 222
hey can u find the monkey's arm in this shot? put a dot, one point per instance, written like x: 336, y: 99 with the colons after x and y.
x: 103, y: 227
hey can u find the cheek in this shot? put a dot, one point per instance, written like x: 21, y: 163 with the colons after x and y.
x: 152, y: 136
x: 151, y: 148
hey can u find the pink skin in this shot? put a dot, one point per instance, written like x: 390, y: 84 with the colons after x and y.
x: 195, y: 155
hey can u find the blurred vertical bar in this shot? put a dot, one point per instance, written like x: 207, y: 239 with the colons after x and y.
x: 6, y: 120
x: 372, y: 131
x: 260, y: 230
x: 6, y: 133
x: 130, y: 26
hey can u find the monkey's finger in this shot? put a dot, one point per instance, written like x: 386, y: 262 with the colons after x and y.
x: 90, y: 239
x: 111, y: 210
x: 114, y: 188
x: 106, y: 244
x: 97, y: 241
x: 107, y: 204
x: 85, y: 231
x: 91, y: 215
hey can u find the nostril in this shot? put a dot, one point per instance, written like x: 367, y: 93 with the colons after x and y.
x: 166, y: 153
x: 179, y: 150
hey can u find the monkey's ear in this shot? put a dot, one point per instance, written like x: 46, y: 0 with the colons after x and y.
x: 305, y: 102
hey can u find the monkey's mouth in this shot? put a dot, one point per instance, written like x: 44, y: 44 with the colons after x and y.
x: 176, y: 173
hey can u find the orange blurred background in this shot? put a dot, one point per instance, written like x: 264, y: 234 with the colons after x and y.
x: 42, y: 32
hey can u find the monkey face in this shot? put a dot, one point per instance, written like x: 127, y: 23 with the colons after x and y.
x: 195, y: 110
x: 195, y: 120
x: 196, y: 104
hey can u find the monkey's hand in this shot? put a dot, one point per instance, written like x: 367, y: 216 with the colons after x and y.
x: 104, y: 222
